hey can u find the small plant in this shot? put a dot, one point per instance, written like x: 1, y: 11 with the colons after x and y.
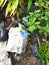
x: 37, y: 20
x: 31, y: 21
x: 44, y: 30
x: 43, y: 53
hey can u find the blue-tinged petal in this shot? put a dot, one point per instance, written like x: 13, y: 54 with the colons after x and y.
x: 25, y: 19
x: 24, y: 33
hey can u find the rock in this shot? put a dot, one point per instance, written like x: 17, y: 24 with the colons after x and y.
x: 6, y: 62
x: 16, y: 42
x: 3, y: 34
x: 3, y: 53
x: 35, y: 48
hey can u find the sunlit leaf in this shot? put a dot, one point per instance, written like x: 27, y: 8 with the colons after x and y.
x: 1, y: 2
x: 4, y: 3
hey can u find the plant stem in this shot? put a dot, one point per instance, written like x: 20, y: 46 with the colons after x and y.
x: 43, y: 62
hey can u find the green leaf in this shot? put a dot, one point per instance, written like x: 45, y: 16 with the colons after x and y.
x: 4, y: 3
x: 37, y: 23
x: 12, y: 6
x: 31, y: 28
x: 47, y: 61
x: 24, y: 28
x: 39, y: 3
x: 1, y: 2
x: 29, y: 4
x: 8, y: 8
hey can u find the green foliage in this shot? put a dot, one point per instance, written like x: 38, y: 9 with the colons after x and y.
x: 44, y: 23
x: 29, y: 3
x: 39, y: 19
x: 44, y: 30
x: 43, y: 52
x: 39, y: 3
x: 11, y: 6
x: 1, y: 2
x: 42, y: 3
x: 33, y: 23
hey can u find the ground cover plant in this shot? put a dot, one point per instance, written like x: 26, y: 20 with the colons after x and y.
x: 43, y: 52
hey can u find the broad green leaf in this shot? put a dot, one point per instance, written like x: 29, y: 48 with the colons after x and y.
x: 29, y: 4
